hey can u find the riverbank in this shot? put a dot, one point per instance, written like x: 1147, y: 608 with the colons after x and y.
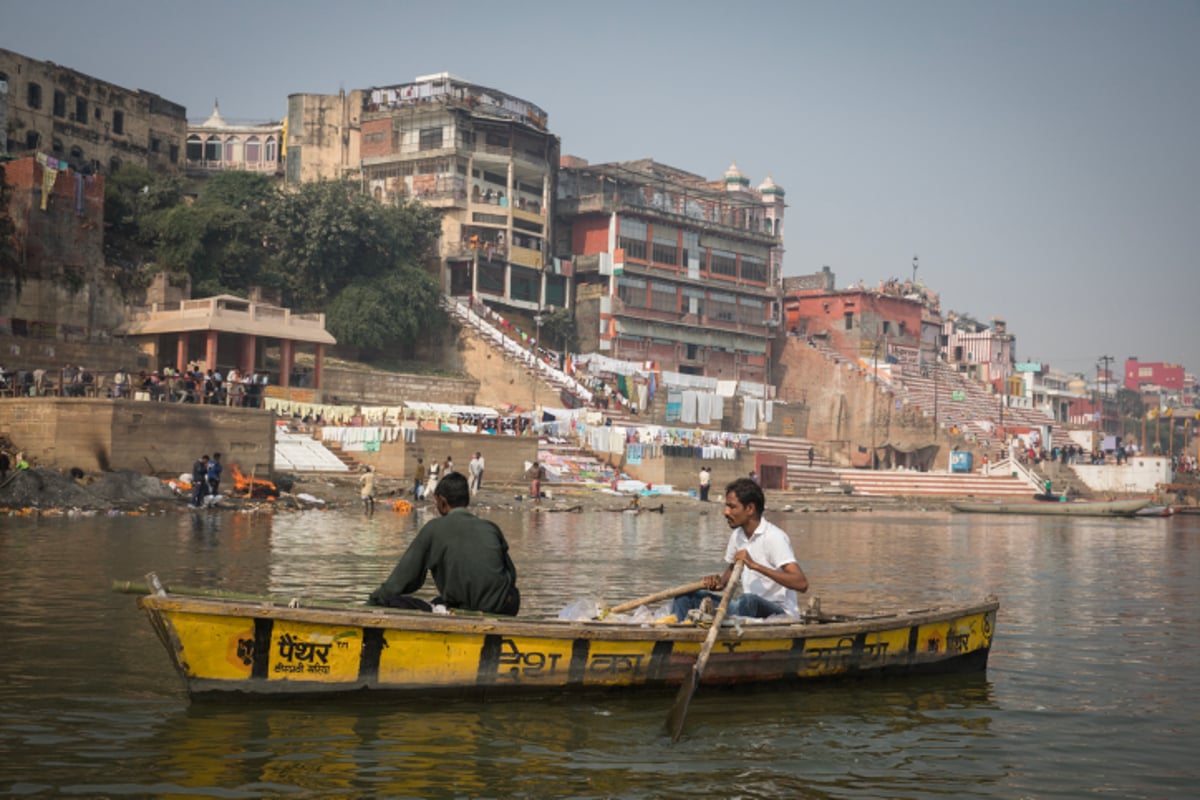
x: 45, y: 491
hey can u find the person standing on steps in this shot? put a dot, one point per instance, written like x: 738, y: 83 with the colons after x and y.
x: 705, y: 483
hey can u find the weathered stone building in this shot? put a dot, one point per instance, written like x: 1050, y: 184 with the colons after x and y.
x: 91, y: 124
x: 672, y: 268
x: 58, y: 289
x: 321, y: 136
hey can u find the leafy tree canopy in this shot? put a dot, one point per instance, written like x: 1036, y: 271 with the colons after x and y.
x: 386, y: 312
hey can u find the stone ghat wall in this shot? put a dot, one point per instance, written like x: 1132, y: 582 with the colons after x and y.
x: 163, y: 439
x: 354, y: 387
x: 504, y: 457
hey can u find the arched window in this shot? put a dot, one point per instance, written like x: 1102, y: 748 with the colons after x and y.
x: 233, y: 150
x: 77, y: 152
x: 212, y: 149
x: 114, y: 164
x: 272, y: 152
x: 253, y: 150
x: 195, y: 148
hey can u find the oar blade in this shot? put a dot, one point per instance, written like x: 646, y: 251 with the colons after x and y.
x: 682, y: 699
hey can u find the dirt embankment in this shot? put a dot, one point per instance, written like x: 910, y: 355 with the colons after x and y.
x: 47, y: 491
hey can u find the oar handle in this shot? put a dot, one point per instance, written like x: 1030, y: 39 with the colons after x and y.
x: 718, y: 618
x: 654, y: 598
x: 679, y: 710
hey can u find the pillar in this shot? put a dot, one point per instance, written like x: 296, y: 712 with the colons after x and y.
x: 210, y: 349
x: 287, y: 358
x: 246, y: 358
x: 181, y: 352
x: 318, y: 362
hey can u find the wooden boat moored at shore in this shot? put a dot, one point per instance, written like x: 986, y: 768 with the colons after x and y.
x: 1083, y: 508
x: 268, y: 647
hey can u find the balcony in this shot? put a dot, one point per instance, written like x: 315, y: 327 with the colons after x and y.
x: 608, y: 204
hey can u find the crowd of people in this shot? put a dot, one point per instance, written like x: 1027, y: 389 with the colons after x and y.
x: 190, y: 385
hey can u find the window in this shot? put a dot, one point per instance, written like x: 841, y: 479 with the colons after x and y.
x: 254, y: 150
x: 33, y: 96
x: 32, y: 139
x: 60, y: 104
x: 849, y: 316
x: 212, y: 149
x: 57, y: 145
x: 155, y: 144
x: 632, y: 291
x: 118, y: 121
x: 666, y: 245
x: 272, y: 150
x: 887, y: 326
x: 114, y: 164
x: 722, y: 307
x: 195, y: 148
x: 633, y: 238
x: 754, y: 269
x: 174, y: 153
x: 666, y: 254
x: 81, y: 109
x: 77, y: 152
x: 663, y: 297
x: 431, y: 138
x: 723, y: 262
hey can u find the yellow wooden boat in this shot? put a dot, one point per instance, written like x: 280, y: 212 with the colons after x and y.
x: 266, y: 646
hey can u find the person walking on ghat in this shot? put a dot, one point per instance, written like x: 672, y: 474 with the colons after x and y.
x: 475, y: 473
x: 467, y: 556
x: 705, y: 483
x: 367, y: 482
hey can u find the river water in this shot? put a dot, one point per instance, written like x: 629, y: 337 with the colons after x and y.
x: 1092, y: 687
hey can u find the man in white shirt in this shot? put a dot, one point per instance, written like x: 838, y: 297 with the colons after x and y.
x: 771, y: 577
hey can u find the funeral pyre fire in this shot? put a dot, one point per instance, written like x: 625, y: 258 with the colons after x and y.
x: 251, y: 486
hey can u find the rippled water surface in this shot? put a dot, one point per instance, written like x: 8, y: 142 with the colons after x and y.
x: 1092, y: 687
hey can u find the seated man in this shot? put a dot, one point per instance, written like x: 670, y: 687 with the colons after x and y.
x: 467, y: 556
x: 771, y: 576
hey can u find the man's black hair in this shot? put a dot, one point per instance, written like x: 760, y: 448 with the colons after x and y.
x: 453, y: 487
x: 748, y: 493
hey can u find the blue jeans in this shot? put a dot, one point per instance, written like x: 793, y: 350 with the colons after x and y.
x: 748, y: 605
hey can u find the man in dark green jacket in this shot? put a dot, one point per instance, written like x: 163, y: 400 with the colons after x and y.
x: 467, y: 556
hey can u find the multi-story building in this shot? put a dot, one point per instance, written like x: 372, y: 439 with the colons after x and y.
x: 1159, y: 375
x: 984, y: 352
x: 672, y: 268
x: 321, y: 136
x: 93, y: 125
x: 487, y: 162
x: 892, y: 323
x: 217, y: 144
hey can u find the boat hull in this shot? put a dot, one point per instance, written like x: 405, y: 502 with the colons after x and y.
x: 223, y: 646
x: 1099, y: 508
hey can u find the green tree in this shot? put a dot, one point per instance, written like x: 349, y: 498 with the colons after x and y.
x: 134, y: 201
x: 386, y: 314
x: 558, y: 329
x: 221, y: 238
x: 328, y: 235
x: 1129, y: 403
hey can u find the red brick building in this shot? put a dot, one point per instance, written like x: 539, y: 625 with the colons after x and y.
x: 1144, y: 374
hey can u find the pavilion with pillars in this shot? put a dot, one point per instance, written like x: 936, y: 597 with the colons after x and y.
x: 224, y: 331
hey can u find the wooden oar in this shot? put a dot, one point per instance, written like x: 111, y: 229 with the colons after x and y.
x: 688, y: 687
x: 653, y: 598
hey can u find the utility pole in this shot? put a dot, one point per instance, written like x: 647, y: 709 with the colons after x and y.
x: 914, y: 271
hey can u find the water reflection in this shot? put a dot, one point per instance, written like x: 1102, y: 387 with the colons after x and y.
x: 1091, y: 686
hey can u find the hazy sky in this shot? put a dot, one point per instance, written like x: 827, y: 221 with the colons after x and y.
x: 1041, y: 158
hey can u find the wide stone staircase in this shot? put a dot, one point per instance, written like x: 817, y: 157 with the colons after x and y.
x: 800, y: 477
x: 483, y: 321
